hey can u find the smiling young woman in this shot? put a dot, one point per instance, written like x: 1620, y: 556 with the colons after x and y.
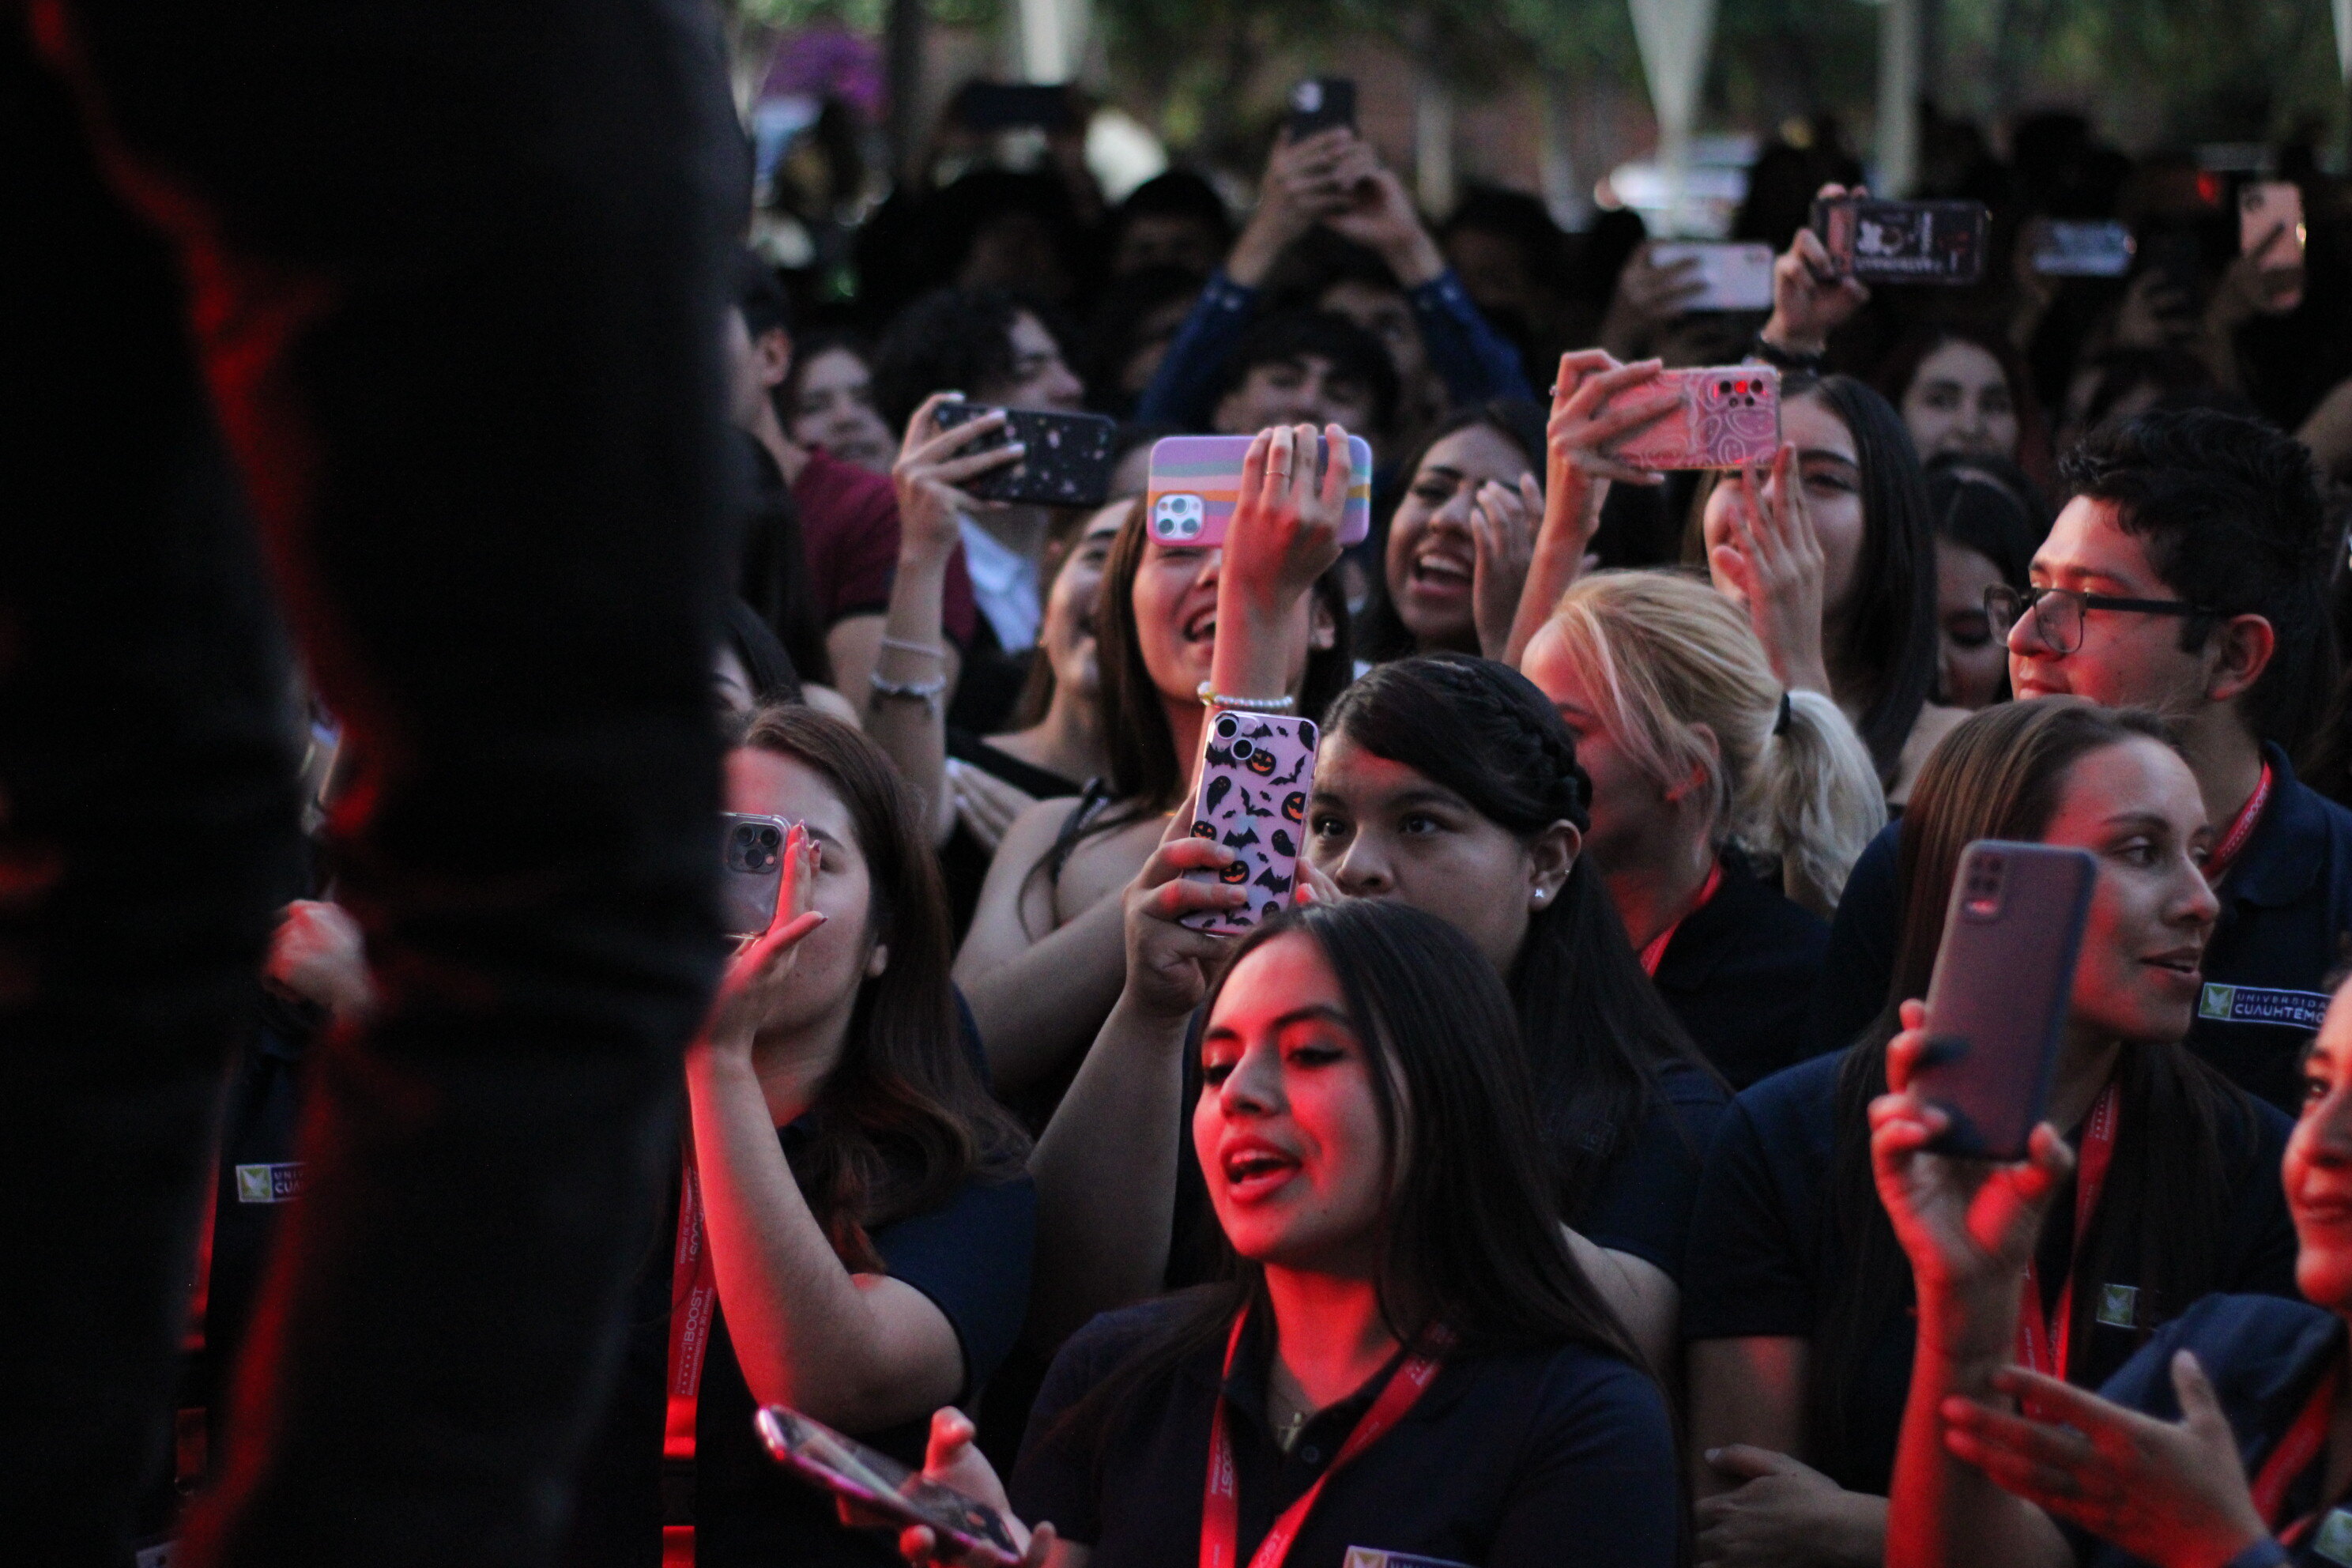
x: 1797, y: 1312
x: 1406, y: 1358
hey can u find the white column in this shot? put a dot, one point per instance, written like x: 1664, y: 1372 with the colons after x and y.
x: 1899, y: 40
x: 1432, y: 146
x: 1673, y: 36
x: 1053, y: 38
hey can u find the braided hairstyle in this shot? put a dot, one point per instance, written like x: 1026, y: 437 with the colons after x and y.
x: 1596, y: 1032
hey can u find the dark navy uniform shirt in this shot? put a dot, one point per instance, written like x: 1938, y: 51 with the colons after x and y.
x: 1765, y: 1251
x: 1740, y: 973
x: 2286, y: 906
x: 970, y: 1256
x: 1543, y: 1459
x: 2263, y: 1357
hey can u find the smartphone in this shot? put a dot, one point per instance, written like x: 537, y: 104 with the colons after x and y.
x: 1069, y: 460
x: 2063, y: 248
x: 1730, y: 418
x: 1196, y: 479
x: 1904, y: 242
x: 752, y: 863
x: 1732, y: 277
x: 1009, y: 106
x: 968, y: 1531
x: 1255, y: 771
x: 1317, y: 104
x: 2267, y: 206
x: 1997, y: 1002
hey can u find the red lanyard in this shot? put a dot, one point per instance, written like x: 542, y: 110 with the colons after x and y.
x: 1653, y: 954
x: 2242, y: 827
x: 2042, y: 1342
x: 693, y: 1296
x: 2297, y: 1447
x: 1220, y: 1504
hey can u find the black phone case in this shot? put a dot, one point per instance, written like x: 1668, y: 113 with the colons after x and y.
x: 1317, y: 104
x: 1904, y: 242
x: 2004, y: 975
x: 1068, y: 463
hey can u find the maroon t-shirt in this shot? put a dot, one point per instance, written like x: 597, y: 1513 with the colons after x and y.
x: 849, y: 533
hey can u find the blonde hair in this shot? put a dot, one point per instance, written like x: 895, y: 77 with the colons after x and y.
x: 1683, y: 688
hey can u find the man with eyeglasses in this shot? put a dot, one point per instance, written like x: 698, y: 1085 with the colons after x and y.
x: 2188, y: 576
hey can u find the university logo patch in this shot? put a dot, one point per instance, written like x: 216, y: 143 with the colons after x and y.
x: 2118, y: 1305
x: 2260, y: 1004
x: 270, y: 1183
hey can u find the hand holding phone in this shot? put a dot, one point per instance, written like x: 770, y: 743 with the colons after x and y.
x: 1726, y: 417
x: 2062, y: 249
x: 1318, y: 103
x: 872, y: 1483
x: 2271, y: 232
x: 1196, y: 483
x: 1876, y: 241
x: 1067, y: 458
x: 1730, y: 276
x: 1256, y: 771
x: 752, y: 870
x: 2004, y: 981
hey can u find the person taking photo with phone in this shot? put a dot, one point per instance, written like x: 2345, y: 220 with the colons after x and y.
x: 2188, y: 576
x: 2226, y: 1439
x: 1406, y: 1359
x: 851, y: 1231
x: 1798, y: 1308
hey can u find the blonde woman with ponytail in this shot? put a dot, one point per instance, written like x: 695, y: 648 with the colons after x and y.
x: 1726, y: 811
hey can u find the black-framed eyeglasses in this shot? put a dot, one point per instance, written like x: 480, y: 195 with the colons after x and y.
x: 2058, y: 612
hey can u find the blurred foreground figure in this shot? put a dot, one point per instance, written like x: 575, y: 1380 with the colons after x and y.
x: 430, y: 293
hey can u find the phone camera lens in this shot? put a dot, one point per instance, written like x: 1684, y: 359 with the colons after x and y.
x: 1243, y: 750
x: 769, y: 837
x: 1228, y: 726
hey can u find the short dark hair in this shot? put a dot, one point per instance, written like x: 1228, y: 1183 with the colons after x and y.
x: 761, y: 298
x: 1293, y: 335
x: 1179, y: 193
x: 2230, y: 510
x: 949, y: 340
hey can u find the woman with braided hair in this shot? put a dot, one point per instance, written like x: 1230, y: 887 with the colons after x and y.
x: 1448, y: 783
x: 1451, y: 784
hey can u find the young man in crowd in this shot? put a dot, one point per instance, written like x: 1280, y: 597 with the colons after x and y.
x: 848, y: 518
x: 1334, y: 180
x: 1307, y: 367
x: 2187, y: 576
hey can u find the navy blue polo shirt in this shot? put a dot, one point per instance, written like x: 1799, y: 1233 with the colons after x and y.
x: 2285, y: 906
x: 2263, y: 1357
x: 1556, y: 1458
x: 1765, y: 1250
x: 970, y: 1256
x: 1739, y: 975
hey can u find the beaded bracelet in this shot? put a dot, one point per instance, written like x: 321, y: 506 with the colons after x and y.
x: 929, y: 650
x: 926, y: 692
x: 1282, y: 704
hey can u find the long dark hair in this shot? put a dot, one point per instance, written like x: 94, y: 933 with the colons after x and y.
x: 902, y: 1119
x: 2000, y: 774
x: 1888, y: 634
x: 1146, y: 774
x: 1596, y: 1032
x: 1900, y: 368
x: 1381, y: 632
x: 1471, y: 1237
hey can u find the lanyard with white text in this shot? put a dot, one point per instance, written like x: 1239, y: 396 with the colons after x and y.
x: 2042, y: 1342
x: 693, y: 1297
x: 1219, y: 1505
x: 1654, y: 953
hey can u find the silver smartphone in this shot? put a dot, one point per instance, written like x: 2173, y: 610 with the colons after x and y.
x: 752, y: 870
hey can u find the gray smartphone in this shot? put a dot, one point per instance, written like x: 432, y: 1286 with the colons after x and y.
x: 966, y: 1531
x: 752, y: 870
x: 2004, y: 977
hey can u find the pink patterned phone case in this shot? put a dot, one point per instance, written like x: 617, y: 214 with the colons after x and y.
x: 1256, y: 771
x: 1730, y: 418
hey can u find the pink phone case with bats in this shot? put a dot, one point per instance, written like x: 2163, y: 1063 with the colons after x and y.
x: 1256, y: 771
x: 1730, y: 418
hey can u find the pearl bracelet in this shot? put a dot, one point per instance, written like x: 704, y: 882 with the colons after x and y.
x: 1282, y: 704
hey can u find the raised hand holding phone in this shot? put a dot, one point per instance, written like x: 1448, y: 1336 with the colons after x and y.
x: 761, y: 969
x: 1597, y: 404
x: 1810, y: 298
x: 1284, y: 534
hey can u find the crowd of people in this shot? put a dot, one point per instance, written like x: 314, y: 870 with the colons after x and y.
x: 1544, y: 1183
